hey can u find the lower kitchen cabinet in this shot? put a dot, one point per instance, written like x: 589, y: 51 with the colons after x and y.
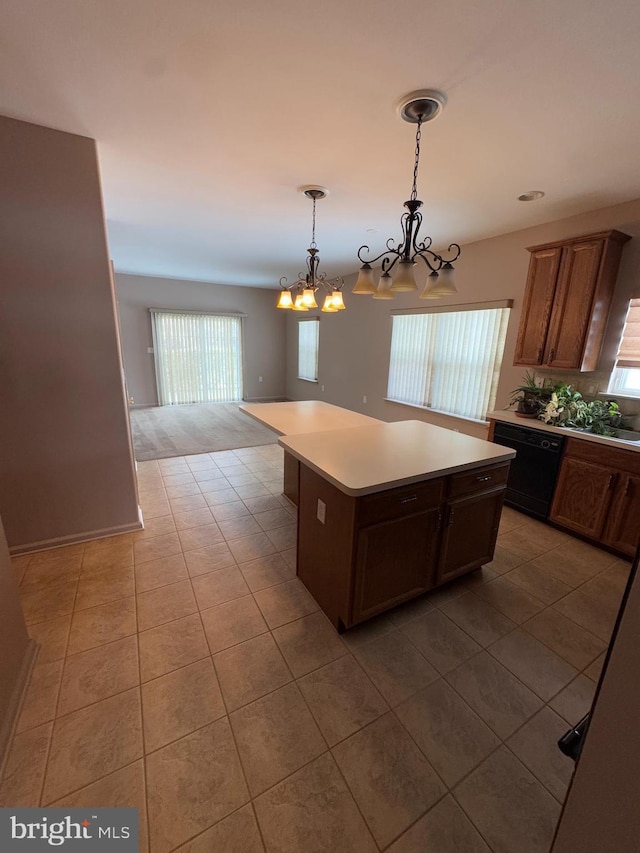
x: 469, y: 534
x: 360, y: 556
x: 598, y: 494
x: 395, y: 561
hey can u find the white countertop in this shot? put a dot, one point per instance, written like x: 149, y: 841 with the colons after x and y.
x: 510, y: 417
x: 361, y: 460
x: 304, y: 416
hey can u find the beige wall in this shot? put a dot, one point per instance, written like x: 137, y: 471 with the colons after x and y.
x: 14, y: 644
x: 264, y: 330
x: 66, y: 470
x: 601, y: 812
x: 354, y: 344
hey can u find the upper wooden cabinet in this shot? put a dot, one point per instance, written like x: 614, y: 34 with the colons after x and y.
x: 566, y: 301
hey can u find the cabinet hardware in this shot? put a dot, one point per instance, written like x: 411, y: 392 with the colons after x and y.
x: 409, y: 499
x: 612, y: 479
x: 539, y: 355
x: 484, y: 479
x: 450, y: 519
x: 627, y: 488
x: 552, y: 354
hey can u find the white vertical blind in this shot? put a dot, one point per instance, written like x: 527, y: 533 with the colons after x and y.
x: 448, y: 360
x: 308, y: 349
x: 198, y: 357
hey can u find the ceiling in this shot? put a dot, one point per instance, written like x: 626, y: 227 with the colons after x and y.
x: 209, y: 117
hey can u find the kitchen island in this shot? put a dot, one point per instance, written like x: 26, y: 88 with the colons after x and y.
x: 302, y: 416
x: 389, y: 511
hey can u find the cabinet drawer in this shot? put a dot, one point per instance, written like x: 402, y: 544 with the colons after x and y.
x: 395, y: 503
x: 477, y: 480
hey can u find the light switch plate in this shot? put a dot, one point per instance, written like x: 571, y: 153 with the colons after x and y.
x: 322, y: 511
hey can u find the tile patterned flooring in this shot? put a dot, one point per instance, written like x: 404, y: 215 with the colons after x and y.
x: 186, y: 671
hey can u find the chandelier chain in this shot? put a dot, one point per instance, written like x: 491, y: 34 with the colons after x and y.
x: 313, y: 227
x: 414, y: 190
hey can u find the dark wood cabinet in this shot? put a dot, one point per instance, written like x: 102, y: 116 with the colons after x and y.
x: 566, y: 302
x: 395, y: 561
x: 374, y: 552
x: 598, y: 494
x: 469, y: 533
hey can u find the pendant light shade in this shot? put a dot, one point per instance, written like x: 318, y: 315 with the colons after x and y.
x: 298, y: 305
x: 285, y: 300
x: 328, y: 304
x: 337, y: 301
x: 365, y: 283
x: 439, y: 284
x: 309, y: 298
x: 404, y: 279
x: 384, y: 287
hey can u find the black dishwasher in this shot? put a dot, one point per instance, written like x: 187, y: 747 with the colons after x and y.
x: 533, y: 473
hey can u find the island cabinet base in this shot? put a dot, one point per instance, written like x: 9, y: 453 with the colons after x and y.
x: 361, y: 556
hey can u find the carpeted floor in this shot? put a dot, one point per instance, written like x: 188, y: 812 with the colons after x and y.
x: 163, y: 431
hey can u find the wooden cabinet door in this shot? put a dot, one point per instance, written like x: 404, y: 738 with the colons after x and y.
x: 536, y: 310
x: 395, y: 561
x: 622, y: 531
x: 470, y: 532
x: 572, y: 304
x: 583, y: 496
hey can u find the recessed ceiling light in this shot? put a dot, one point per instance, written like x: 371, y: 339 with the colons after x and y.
x: 532, y: 195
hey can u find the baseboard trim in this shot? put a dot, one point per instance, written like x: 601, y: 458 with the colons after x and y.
x: 86, y: 536
x: 8, y: 726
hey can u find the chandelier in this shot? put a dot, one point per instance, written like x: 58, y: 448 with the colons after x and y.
x: 301, y: 295
x: 416, y: 108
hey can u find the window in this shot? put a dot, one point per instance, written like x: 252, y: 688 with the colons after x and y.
x: 198, y: 357
x: 625, y: 379
x: 308, y: 349
x: 448, y: 360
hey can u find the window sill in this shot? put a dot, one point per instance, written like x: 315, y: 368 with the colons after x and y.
x: 302, y: 379
x: 437, y: 412
x: 614, y: 395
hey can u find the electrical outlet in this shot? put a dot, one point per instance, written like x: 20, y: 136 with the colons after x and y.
x: 150, y: 350
x: 259, y: 378
x: 322, y: 387
x: 364, y: 399
x: 322, y: 511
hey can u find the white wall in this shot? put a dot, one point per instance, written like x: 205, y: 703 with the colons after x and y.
x: 354, y: 344
x: 66, y: 468
x: 264, y: 330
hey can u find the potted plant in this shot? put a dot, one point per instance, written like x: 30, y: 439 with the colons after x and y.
x: 567, y: 407
x: 530, y: 397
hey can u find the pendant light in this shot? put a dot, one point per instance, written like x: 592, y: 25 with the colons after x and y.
x: 301, y: 295
x: 416, y: 108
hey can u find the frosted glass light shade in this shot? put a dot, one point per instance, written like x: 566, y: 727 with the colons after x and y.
x: 337, y: 301
x: 384, y: 285
x: 404, y: 279
x: 365, y: 283
x: 309, y: 298
x: 298, y: 305
x: 285, y: 300
x: 429, y: 292
x: 447, y: 283
x: 328, y: 304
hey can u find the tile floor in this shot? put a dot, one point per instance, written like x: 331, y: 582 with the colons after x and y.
x: 186, y: 671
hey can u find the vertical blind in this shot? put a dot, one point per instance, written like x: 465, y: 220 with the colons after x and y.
x: 198, y: 357
x: 448, y: 360
x: 308, y: 349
